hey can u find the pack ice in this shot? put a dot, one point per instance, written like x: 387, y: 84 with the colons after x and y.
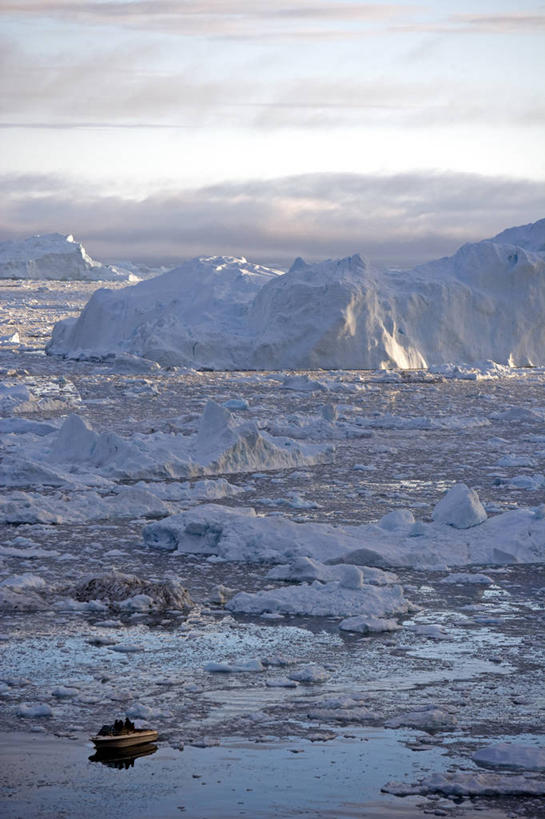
x: 485, y: 302
x: 54, y: 256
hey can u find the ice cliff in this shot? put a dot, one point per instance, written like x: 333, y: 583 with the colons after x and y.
x: 55, y: 256
x: 485, y: 302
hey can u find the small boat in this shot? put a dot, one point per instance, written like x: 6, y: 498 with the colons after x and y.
x: 140, y: 736
x: 122, y: 735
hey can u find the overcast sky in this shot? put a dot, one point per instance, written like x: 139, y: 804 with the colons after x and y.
x: 161, y: 129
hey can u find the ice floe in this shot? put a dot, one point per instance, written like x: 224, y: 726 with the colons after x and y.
x: 515, y: 536
x: 324, y: 600
x: 470, y: 783
x: 511, y: 755
x: 427, y: 718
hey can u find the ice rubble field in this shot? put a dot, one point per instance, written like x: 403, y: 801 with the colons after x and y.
x: 277, y: 555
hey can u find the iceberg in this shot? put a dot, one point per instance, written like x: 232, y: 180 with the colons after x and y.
x: 483, y: 303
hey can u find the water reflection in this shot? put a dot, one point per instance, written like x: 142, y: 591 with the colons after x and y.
x: 122, y: 758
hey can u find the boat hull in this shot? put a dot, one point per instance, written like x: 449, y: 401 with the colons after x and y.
x: 124, y: 740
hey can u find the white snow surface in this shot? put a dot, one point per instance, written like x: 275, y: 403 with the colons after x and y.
x: 515, y: 536
x: 483, y: 303
x: 54, y: 256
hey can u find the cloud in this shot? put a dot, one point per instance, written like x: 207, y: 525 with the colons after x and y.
x: 125, y: 87
x: 398, y: 220
x: 219, y: 18
x: 516, y: 23
x: 500, y: 23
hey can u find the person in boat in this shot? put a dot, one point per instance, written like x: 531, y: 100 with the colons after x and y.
x: 119, y: 727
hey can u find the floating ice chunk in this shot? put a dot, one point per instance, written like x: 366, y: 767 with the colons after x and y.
x: 279, y: 661
x: 521, y: 415
x: 234, y: 668
x: 63, y: 692
x: 225, y: 313
x: 309, y: 674
x: 460, y: 507
x: 355, y: 715
x: 398, y: 519
x: 302, y: 383
x: 516, y: 460
x: 531, y: 482
x: 431, y: 631
x: 100, y: 641
x: 20, y: 600
x: 29, y: 710
x: 323, y: 600
x: 21, y: 592
x: 127, y: 648
x: 139, y: 602
x: 24, y: 582
x: 10, y: 339
x: 140, y: 711
x: 427, y: 718
x: 511, y: 755
x: 25, y: 508
x: 368, y: 625
x: 468, y: 577
x: 25, y: 426
x: 236, y: 404
x: 471, y: 783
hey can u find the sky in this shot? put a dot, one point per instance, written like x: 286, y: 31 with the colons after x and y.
x: 155, y: 130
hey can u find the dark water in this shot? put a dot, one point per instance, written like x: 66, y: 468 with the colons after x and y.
x: 53, y: 777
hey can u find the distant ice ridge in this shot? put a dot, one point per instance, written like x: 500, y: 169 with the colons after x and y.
x: 460, y: 534
x: 484, y: 303
x: 54, y: 256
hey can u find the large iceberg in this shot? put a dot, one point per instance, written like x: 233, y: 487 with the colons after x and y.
x: 193, y: 315
x: 54, y: 256
x: 485, y: 302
